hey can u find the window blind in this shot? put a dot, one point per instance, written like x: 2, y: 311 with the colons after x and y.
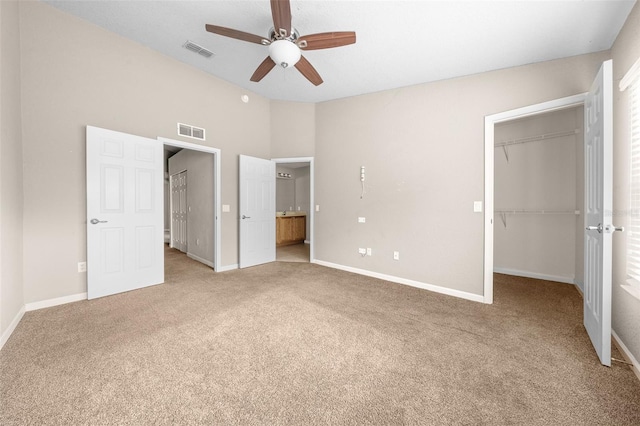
x: 633, y: 236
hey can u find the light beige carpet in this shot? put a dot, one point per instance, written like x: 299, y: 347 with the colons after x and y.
x: 297, y: 343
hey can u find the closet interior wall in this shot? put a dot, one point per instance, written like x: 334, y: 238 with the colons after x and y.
x: 539, y: 196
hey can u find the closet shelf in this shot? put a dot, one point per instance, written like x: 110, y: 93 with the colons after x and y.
x: 537, y: 138
x: 504, y: 212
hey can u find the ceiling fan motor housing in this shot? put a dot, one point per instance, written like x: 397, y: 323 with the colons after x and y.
x: 284, y: 53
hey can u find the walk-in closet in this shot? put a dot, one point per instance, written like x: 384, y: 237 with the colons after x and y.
x: 539, y: 193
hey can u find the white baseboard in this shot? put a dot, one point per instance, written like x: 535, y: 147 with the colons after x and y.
x: 55, y: 302
x: 517, y: 273
x: 201, y: 260
x: 14, y: 323
x: 626, y: 353
x: 227, y: 268
x: 412, y: 283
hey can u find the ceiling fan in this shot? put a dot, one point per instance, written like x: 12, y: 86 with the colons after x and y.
x: 285, y: 43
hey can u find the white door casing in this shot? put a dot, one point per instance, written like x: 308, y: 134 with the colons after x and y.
x: 257, y: 211
x: 124, y: 212
x: 598, y: 112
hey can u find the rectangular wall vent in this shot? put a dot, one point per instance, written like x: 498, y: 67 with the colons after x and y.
x: 191, y: 131
x: 189, y: 45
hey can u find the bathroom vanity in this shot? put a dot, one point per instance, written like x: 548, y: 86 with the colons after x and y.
x: 291, y: 228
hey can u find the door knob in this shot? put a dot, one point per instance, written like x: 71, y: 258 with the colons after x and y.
x: 96, y: 221
x: 595, y: 228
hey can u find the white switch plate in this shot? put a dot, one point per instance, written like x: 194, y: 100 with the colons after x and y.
x: 368, y: 251
x: 396, y: 255
x: 82, y: 266
x: 317, y: 207
x: 225, y: 208
x: 477, y: 206
x: 362, y: 251
x: 362, y: 219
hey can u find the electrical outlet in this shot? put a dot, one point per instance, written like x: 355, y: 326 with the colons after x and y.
x: 226, y: 208
x: 396, y: 255
x: 368, y: 251
x: 362, y: 219
x: 82, y: 266
x: 362, y: 251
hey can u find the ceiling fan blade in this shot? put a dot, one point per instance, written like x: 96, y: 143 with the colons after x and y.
x: 326, y: 40
x: 308, y: 71
x: 240, y: 35
x: 281, y: 12
x: 263, y: 69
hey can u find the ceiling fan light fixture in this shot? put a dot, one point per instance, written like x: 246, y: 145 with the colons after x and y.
x: 284, y: 53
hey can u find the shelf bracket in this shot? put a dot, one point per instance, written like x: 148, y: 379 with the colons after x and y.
x: 503, y: 217
x: 506, y: 152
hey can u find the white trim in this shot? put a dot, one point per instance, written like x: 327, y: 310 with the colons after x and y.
x: 489, y: 147
x: 412, y: 283
x: 14, y: 323
x: 228, y: 267
x: 217, y: 244
x: 34, y: 306
x: 627, y: 353
x: 311, y: 213
x: 200, y: 259
x: 527, y: 274
x: 630, y: 76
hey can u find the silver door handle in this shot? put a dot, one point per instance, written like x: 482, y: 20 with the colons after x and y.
x: 613, y: 228
x: 96, y: 221
x: 246, y: 217
x: 618, y: 228
x: 595, y: 228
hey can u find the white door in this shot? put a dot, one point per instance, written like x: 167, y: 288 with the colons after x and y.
x: 125, y: 243
x: 179, y: 211
x: 257, y: 211
x: 598, y: 110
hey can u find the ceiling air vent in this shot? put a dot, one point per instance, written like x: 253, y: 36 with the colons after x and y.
x: 191, y: 131
x: 189, y: 45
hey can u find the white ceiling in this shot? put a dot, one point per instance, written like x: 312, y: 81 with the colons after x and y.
x: 399, y: 43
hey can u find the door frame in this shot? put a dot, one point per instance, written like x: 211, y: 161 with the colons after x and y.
x: 312, y: 210
x: 217, y: 207
x: 489, y: 147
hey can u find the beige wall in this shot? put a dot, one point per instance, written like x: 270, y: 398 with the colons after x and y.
x: 11, y: 290
x: 292, y: 129
x: 76, y: 74
x: 422, y: 147
x: 538, y: 175
x: 626, y: 309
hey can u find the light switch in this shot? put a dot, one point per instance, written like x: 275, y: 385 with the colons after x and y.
x: 477, y: 206
x: 362, y: 219
x: 225, y: 208
x: 317, y: 207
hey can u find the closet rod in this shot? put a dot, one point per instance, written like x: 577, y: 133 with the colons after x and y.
x: 524, y: 211
x: 536, y: 138
x: 503, y: 213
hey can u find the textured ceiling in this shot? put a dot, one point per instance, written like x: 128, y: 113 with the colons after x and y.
x: 399, y: 43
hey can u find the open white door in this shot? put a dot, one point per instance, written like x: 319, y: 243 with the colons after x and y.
x: 598, y: 110
x: 257, y: 211
x: 125, y: 249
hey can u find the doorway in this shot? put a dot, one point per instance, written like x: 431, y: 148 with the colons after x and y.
x: 489, y: 216
x: 206, y: 244
x: 539, y: 196
x: 294, y: 209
